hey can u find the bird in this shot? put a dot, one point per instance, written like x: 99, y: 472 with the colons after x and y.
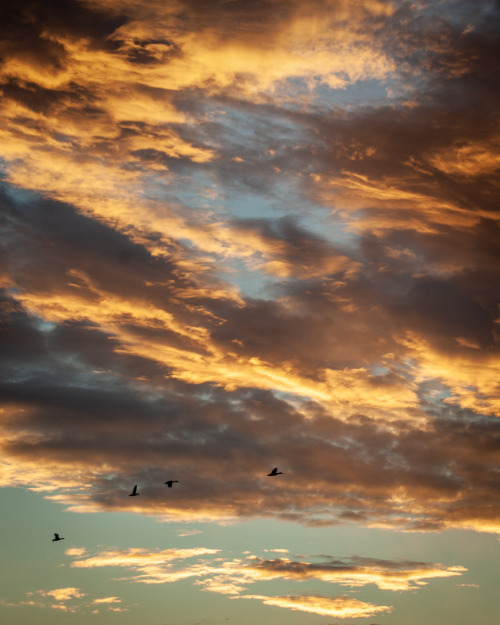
x: 57, y: 537
x: 170, y: 482
x: 275, y: 472
x: 134, y: 493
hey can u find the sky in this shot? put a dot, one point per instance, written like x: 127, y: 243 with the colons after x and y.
x: 238, y: 235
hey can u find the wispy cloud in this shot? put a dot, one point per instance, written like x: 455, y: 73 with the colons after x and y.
x: 153, y: 567
x: 341, y: 607
x: 68, y: 599
x: 186, y: 533
x: 64, y: 594
x: 107, y: 600
x: 387, y: 575
x: 232, y: 577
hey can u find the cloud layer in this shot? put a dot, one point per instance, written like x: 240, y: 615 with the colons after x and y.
x: 68, y: 599
x: 260, y: 235
x: 232, y: 576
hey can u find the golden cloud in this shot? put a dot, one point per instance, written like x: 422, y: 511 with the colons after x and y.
x: 231, y: 576
x: 471, y: 378
x: 340, y: 607
x: 65, y: 594
x: 107, y: 600
x: 153, y: 567
x: 358, y: 572
x: 472, y: 159
x: 156, y: 131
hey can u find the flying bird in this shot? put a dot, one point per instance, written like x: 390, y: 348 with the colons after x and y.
x: 170, y: 482
x: 275, y: 472
x: 57, y: 537
x: 134, y: 493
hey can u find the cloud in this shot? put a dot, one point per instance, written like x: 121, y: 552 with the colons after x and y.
x: 68, y: 599
x: 214, y: 573
x: 76, y: 551
x: 154, y: 567
x: 400, y: 474
x: 185, y: 533
x: 283, y: 32
x: 386, y: 575
x: 107, y: 600
x: 342, y: 607
x: 266, y: 231
x: 65, y: 594
x: 231, y: 576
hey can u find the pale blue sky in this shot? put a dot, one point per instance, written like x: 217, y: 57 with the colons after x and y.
x: 31, y: 562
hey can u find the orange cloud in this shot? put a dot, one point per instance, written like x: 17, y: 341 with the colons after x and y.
x: 231, y: 576
x: 65, y: 594
x: 300, y: 46
x: 340, y: 607
x: 153, y: 567
x: 399, y: 205
x: 151, y: 269
x: 387, y: 576
x: 201, y: 360
x: 472, y: 377
x: 107, y: 600
x: 472, y: 159
x: 70, y: 600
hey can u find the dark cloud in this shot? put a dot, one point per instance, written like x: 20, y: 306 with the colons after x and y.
x: 31, y: 29
x: 69, y: 251
x: 221, y: 445
x: 34, y: 97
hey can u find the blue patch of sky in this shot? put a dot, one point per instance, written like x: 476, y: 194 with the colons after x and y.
x: 286, y: 199
x: 326, y: 225
x: 250, y: 206
x: 205, y: 190
x: 252, y: 136
x: 250, y: 282
x: 434, y: 391
x: 247, y: 273
x: 20, y: 196
x: 457, y: 13
x: 225, y: 190
x: 296, y: 400
x: 300, y: 94
x: 248, y: 122
x: 377, y: 369
x: 42, y: 325
x: 195, y: 191
x: 363, y: 93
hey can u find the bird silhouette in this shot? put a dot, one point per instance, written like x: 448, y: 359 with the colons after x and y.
x: 57, y: 537
x: 170, y: 482
x: 134, y: 493
x: 275, y: 472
